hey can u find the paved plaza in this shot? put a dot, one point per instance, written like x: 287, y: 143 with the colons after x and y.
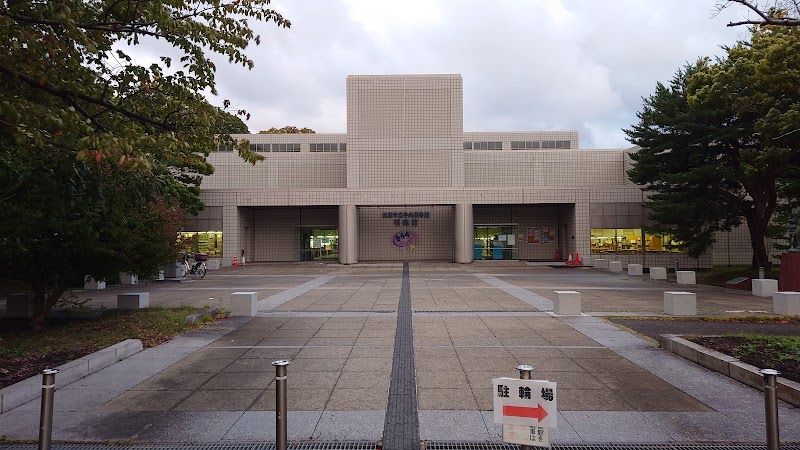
x: 338, y: 325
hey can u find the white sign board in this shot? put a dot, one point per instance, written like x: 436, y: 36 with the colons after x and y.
x: 525, y: 402
x: 522, y: 435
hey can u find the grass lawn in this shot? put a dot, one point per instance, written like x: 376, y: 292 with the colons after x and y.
x: 774, y: 352
x: 24, y: 353
x: 721, y: 274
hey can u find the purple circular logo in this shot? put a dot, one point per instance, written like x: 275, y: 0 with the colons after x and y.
x: 405, y: 239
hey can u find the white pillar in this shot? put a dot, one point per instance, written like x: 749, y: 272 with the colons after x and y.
x: 464, y: 233
x: 348, y: 246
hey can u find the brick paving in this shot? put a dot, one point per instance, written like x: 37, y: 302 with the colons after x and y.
x: 348, y: 332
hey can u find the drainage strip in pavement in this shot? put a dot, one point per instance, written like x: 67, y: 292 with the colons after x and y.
x: 429, y: 445
x: 401, y: 428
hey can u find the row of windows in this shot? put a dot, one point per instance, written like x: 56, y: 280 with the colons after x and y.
x: 342, y: 147
x: 630, y: 240
x: 516, y: 145
x: 526, y: 145
x: 332, y: 147
x: 288, y: 148
x: 483, y: 145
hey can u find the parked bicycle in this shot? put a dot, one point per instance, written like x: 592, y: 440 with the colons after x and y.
x: 198, y: 269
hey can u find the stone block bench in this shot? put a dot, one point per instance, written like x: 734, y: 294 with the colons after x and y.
x: 764, y: 287
x: 128, y: 279
x: 615, y: 266
x: 686, y: 277
x: 567, y: 303
x: 19, y: 305
x: 244, y: 303
x: 658, y: 273
x: 786, y: 303
x: 601, y: 263
x: 635, y: 270
x: 133, y: 300
x: 679, y: 303
x: 90, y: 283
x: 212, y: 264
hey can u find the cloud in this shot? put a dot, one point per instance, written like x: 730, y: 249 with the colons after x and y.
x: 538, y: 64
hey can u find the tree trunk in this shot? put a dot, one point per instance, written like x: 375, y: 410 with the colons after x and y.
x: 760, y: 258
x: 757, y: 234
x: 43, y: 302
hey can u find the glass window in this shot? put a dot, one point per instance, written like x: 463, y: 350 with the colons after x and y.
x: 616, y: 240
x: 662, y: 243
x: 201, y: 242
x: 342, y: 147
x: 467, y: 145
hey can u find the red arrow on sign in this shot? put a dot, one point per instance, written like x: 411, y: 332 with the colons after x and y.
x: 537, y: 413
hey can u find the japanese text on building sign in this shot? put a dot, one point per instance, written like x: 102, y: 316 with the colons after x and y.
x: 406, y: 218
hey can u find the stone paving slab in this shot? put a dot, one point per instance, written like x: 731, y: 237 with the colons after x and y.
x: 217, y: 384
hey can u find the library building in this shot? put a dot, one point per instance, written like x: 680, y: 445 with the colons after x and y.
x: 407, y: 183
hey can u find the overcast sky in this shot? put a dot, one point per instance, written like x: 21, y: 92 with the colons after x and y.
x: 527, y: 64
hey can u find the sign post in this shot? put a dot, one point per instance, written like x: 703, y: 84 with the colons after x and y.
x: 526, y: 408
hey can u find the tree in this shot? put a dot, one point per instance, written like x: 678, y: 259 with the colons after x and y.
x: 228, y: 123
x: 719, y: 143
x: 75, y: 218
x: 289, y: 129
x: 99, y: 155
x: 67, y: 80
x: 775, y: 12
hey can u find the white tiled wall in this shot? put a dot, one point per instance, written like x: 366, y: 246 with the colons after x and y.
x: 405, y: 146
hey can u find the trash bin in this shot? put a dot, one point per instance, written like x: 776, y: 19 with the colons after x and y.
x: 478, y: 251
x: 497, y: 252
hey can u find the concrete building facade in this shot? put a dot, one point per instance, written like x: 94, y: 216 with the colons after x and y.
x: 407, y: 183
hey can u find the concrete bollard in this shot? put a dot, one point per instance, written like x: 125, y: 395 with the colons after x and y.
x: 678, y: 303
x: 615, y: 266
x: 244, y: 303
x: 567, y: 303
x: 686, y: 277
x: 658, y: 273
x: 786, y: 303
x: 765, y: 287
x: 635, y: 270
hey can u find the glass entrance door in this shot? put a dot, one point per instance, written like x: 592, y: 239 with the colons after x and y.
x: 495, y: 242
x: 316, y: 243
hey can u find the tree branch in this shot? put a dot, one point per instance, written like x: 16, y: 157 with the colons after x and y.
x: 766, y: 18
x: 64, y: 93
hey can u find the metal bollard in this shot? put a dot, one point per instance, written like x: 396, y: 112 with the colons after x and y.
x: 280, y: 404
x: 771, y: 407
x: 525, y: 374
x: 46, y: 415
x: 677, y: 266
x: 760, y: 273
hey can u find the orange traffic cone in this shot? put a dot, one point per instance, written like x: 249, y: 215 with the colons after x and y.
x: 578, y: 261
x: 235, y: 262
x: 569, y: 261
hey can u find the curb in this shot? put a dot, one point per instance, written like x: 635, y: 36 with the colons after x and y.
x: 788, y: 390
x: 192, y: 318
x: 31, y: 389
